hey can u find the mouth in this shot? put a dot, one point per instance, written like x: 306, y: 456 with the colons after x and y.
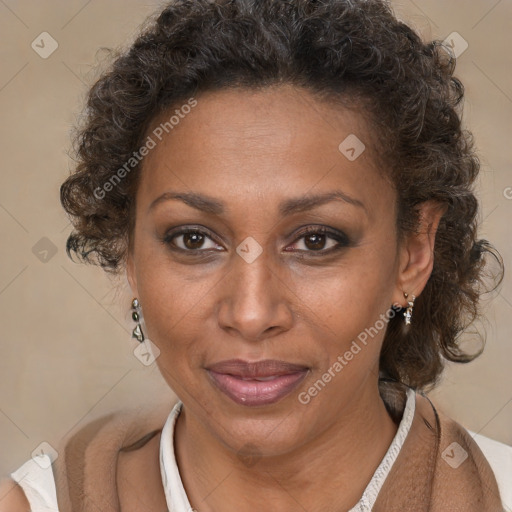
x: 256, y: 384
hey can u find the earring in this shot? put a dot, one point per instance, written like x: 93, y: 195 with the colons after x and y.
x: 408, y: 311
x: 137, y: 331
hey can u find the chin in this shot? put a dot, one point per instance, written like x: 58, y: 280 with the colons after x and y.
x: 273, y: 430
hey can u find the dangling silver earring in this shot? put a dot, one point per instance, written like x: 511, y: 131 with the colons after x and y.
x: 408, y: 311
x: 137, y: 331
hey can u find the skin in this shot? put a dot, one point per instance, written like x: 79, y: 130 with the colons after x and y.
x: 12, y: 497
x: 251, y: 151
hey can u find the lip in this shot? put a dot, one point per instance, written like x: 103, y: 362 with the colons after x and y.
x: 238, y: 379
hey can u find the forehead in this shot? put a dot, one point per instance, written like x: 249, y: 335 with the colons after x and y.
x: 266, y: 144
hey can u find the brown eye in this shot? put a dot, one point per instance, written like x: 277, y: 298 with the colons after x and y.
x: 190, y: 240
x: 321, y: 240
x: 315, y: 241
x: 193, y: 240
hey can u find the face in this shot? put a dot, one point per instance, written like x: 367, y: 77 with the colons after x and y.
x: 256, y: 239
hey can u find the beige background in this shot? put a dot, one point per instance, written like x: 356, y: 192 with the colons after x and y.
x: 66, y: 351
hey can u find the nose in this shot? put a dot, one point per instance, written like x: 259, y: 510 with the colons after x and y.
x: 255, y: 300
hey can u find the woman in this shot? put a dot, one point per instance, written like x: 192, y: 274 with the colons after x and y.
x: 288, y: 188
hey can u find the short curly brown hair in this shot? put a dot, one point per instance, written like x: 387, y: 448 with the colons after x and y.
x: 352, y: 51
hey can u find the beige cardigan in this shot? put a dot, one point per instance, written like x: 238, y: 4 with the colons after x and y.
x: 421, y: 480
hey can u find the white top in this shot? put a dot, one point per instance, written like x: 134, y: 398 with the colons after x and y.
x: 37, y: 481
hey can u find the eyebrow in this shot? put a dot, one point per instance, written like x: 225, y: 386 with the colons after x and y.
x: 293, y: 205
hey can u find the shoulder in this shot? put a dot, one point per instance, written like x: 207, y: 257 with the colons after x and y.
x: 97, y: 459
x: 12, y: 497
x: 464, y: 478
x: 124, y: 430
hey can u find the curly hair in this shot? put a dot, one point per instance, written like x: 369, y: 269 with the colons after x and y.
x: 355, y: 52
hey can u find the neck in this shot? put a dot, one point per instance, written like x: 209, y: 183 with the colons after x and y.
x: 330, y: 472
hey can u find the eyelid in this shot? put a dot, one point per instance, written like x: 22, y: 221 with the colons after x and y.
x: 341, y: 239
x: 183, y: 230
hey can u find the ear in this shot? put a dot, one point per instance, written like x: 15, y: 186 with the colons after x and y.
x: 417, y: 253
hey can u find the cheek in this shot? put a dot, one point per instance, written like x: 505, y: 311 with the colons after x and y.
x: 166, y: 303
x: 348, y: 302
x: 178, y: 313
x: 170, y: 315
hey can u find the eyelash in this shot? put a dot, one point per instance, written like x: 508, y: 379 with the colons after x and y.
x: 341, y: 239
